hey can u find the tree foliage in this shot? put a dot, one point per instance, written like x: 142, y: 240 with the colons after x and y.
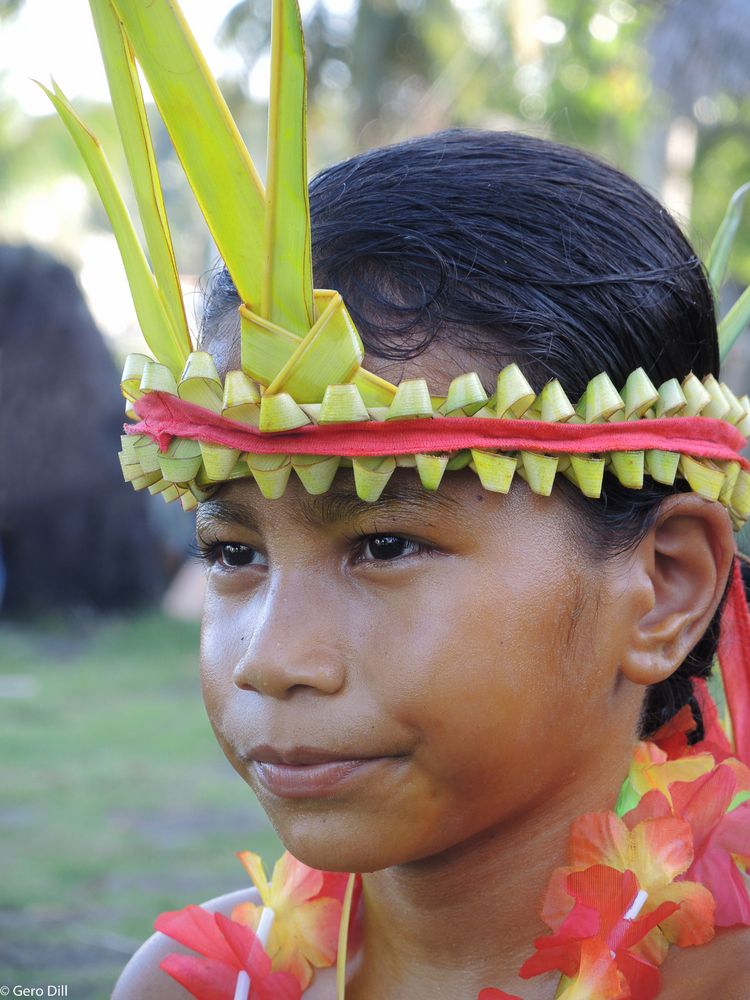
x: 612, y: 76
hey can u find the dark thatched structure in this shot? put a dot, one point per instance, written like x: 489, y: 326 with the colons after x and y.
x: 72, y: 534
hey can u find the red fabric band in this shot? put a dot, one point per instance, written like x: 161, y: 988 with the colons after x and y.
x: 164, y: 417
x: 734, y: 656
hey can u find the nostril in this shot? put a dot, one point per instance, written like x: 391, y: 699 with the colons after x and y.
x: 243, y: 685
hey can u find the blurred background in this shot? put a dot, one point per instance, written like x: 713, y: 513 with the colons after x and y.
x: 115, y: 802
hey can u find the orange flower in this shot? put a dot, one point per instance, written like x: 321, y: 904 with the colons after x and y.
x: 721, y: 835
x: 657, y: 851
x: 651, y: 769
x: 598, y: 976
x: 305, y: 930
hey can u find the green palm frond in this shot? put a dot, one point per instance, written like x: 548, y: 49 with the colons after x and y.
x: 167, y: 343
x: 214, y: 157
x: 287, y: 298
x: 127, y: 100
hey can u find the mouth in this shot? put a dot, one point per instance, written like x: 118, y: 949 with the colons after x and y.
x: 307, y: 772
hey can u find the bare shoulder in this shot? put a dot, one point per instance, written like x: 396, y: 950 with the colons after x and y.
x: 142, y: 979
x: 719, y: 969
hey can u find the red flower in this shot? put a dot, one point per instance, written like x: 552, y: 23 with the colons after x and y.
x: 227, y: 948
x: 656, y: 850
x: 672, y: 738
x: 490, y: 993
x: 594, y: 941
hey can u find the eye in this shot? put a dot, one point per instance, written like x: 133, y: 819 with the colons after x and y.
x: 388, y: 547
x: 235, y: 554
x: 231, y: 555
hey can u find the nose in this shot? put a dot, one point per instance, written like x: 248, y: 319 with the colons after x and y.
x: 291, y: 642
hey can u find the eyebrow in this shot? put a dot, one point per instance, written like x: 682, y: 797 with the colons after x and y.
x: 336, y: 506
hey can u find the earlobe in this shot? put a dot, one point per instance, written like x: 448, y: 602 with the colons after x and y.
x: 678, y: 576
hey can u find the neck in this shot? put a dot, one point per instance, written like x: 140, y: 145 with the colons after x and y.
x: 448, y: 925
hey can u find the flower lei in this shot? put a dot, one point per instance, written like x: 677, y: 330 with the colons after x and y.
x: 667, y: 866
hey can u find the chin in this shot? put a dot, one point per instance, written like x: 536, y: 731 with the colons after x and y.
x: 336, y: 844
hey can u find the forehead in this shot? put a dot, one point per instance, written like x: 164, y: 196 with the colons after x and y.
x: 440, y: 363
x: 242, y: 503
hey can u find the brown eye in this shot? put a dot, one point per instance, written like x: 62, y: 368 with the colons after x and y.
x: 384, y: 547
x: 235, y: 555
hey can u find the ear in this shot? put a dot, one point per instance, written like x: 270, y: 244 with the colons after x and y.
x: 675, y: 585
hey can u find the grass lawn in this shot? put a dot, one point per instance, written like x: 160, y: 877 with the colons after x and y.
x: 115, y: 800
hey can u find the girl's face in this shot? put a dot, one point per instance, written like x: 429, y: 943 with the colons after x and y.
x: 395, y: 678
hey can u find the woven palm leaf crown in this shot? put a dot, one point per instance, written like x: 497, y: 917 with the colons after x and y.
x: 301, y: 355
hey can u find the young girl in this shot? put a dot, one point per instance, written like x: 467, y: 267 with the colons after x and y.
x: 432, y: 687
x: 440, y: 650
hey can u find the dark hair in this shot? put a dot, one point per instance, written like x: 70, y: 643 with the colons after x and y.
x: 512, y: 248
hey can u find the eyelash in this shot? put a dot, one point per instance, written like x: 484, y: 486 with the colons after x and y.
x: 212, y: 552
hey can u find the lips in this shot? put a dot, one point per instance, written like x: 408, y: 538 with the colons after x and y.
x: 308, y: 772
x: 303, y: 756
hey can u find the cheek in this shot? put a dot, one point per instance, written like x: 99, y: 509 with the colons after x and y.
x: 511, y: 637
x: 487, y: 667
x: 221, y: 632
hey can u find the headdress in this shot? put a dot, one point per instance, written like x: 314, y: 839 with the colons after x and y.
x: 302, y: 402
